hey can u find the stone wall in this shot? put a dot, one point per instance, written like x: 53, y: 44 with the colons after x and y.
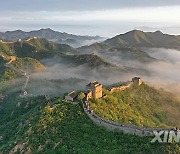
x: 122, y: 87
x: 125, y: 128
x: 114, y: 126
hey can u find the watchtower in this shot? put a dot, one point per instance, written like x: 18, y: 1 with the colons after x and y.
x: 137, y: 81
x: 96, y: 89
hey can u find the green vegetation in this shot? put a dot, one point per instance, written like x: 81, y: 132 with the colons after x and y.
x: 38, y: 49
x: 26, y: 64
x: 8, y: 74
x: 35, y: 48
x: 6, y: 49
x: 49, y: 34
x: 138, y: 38
x: 140, y: 105
x: 44, y: 45
x: 33, y: 125
x: 81, y: 96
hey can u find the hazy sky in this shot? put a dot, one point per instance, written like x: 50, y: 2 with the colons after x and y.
x: 91, y: 17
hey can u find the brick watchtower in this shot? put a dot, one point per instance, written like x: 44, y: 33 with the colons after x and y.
x: 96, y: 89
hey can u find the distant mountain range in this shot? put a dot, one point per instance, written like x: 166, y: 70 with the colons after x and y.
x: 43, y: 49
x: 116, y: 53
x: 126, y: 53
x: 134, y: 38
x: 131, y: 45
x: 49, y: 34
x: 37, y: 49
x: 138, y: 38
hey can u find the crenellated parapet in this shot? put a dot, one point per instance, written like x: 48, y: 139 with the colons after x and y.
x: 135, y: 81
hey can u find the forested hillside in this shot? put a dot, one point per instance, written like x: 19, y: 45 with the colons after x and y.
x: 140, y: 105
x: 35, y: 125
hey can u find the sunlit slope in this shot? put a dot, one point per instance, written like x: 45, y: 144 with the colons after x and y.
x: 141, y: 105
x: 31, y: 125
x: 138, y: 38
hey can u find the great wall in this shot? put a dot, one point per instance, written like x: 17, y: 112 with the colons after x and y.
x: 19, y: 40
x: 95, y: 92
x: 125, y: 128
x: 19, y: 71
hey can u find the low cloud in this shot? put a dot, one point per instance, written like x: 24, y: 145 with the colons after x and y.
x: 61, y: 78
x: 165, y: 73
x: 161, y: 74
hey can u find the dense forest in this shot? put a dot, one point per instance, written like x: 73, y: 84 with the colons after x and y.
x: 56, y: 126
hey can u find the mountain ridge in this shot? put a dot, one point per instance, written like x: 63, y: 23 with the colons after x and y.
x: 127, y: 53
x: 52, y: 35
x: 36, y: 50
x: 137, y: 38
x: 134, y: 38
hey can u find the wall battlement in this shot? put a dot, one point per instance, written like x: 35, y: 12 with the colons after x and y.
x: 117, y: 126
x: 94, y: 89
x: 125, y: 128
x: 135, y: 81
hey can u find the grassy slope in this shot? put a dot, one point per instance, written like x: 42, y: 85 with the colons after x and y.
x: 138, y: 38
x: 28, y: 52
x: 63, y: 128
x: 41, y: 49
x: 140, y: 105
x: 26, y: 64
x: 34, y: 48
x: 6, y: 49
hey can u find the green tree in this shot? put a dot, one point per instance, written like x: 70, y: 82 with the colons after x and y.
x: 81, y: 96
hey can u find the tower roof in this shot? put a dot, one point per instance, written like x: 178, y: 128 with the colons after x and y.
x: 94, y: 83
